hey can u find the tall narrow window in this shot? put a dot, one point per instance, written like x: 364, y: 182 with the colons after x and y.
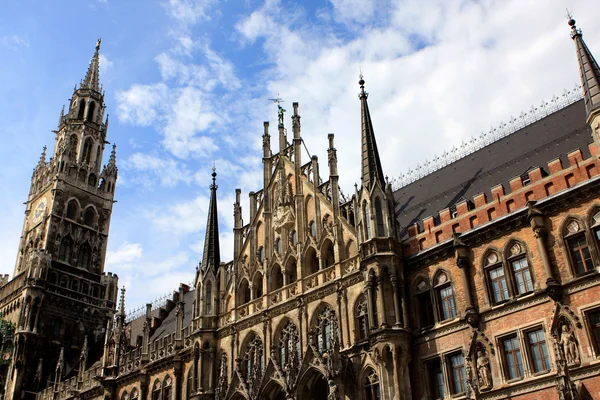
x: 362, y: 322
x: 312, y: 228
x: 372, y: 390
x: 208, y: 298
x: 580, y: 253
x: 540, y: 359
x: 445, y: 297
x: 424, y: 305
x: 522, y: 276
x: 90, y: 115
x: 498, y: 285
x: 83, y: 259
x: 87, y: 151
x: 156, y: 390
x: 458, y: 376
x: 65, y: 250
x: 326, y: 330
x: 81, y: 110
x: 72, y: 210
x: 594, y: 321
x: 289, y: 347
x: 513, y: 360
x: 379, y: 217
x: 436, y: 380
x: 167, y: 388
x: 89, y: 217
x: 366, y: 221
x: 278, y: 246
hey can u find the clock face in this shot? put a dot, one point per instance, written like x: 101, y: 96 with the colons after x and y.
x: 38, y: 211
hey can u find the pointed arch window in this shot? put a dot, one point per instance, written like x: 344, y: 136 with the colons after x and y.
x: 125, y: 396
x: 372, y: 389
x: 90, y: 115
x: 312, y: 228
x: 73, y: 144
x: 89, y: 217
x: 445, y: 295
x: 366, y: 220
x: 72, y: 209
x: 519, y: 266
x: 87, y: 151
x: 361, y: 313
x: 278, y: 245
x: 326, y: 330
x: 83, y: 260
x: 167, y: 388
x: 65, y: 250
x: 253, y: 361
x: 424, y: 303
x: 134, y: 394
x: 289, y: 347
x: 379, y: 218
x: 294, y: 237
x: 497, y: 282
x: 81, y: 111
x: 156, y: 390
x: 579, y: 250
x: 208, y: 298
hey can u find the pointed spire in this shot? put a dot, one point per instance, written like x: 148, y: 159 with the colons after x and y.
x: 212, y: 255
x: 92, y: 77
x: 62, y: 115
x: 371, y: 164
x: 122, y: 302
x: 589, y: 70
x: 42, y: 162
x: 111, y: 169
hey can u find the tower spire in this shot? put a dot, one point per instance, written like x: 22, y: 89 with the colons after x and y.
x: 589, y: 70
x: 212, y: 256
x: 92, y: 77
x: 371, y: 164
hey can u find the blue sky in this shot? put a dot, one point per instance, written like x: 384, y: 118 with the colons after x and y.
x: 188, y: 81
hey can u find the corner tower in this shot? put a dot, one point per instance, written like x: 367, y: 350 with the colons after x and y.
x: 590, y: 81
x: 59, y: 294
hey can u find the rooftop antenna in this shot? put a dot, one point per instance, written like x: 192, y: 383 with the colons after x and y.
x: 280, y: 110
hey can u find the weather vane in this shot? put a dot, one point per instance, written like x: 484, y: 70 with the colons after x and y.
x: 280, y: 110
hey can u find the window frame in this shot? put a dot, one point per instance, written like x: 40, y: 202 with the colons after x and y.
x: 546, y: 359
x: 434, y: 366
x: 361, y: 318
x: 451, y: 374
x: 441, y: 300
x: 425, y: 293
x: 505, y: 360
x: 527, y: 269
x: 593, y: 329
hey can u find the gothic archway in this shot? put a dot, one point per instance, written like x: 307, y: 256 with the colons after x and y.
x: 314, y: 386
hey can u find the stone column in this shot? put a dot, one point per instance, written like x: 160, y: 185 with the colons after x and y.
x: 462, y: 262
x: 394, y: 282
x: 369, y: 294
x: 381, y: 302
x: 536, y: 220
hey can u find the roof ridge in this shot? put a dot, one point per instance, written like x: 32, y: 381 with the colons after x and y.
x: 485, y: 139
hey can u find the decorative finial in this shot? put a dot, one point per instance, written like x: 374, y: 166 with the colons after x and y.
x: 122, y: 301
x: 98, y: 44
x: 214, y: 177
x: 361, y: 83
x: 574, y: 30
x: 280, y: 110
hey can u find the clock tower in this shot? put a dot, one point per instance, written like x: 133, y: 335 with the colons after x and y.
x: 60, y: 297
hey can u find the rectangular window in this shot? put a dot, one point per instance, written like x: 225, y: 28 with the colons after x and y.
x: 498, y: 285
x: 425, y: 309
x: 540, y: 359
x: 436, y: 380
x: 448, y: 310
x: 594, y: 319
x: 513, y: 360
x: 522, y: 274
x: 458, y: 376
x: 580, y: 252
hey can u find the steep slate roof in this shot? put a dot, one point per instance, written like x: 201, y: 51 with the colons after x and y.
x: 534, y: 145
x: 169, y: 324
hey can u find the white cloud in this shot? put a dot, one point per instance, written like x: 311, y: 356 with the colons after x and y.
x: 105, y: 64
x: 188, y: 11
x: 139, y: 105
x: 14, y: 42
x: 148, y: 169
x: 353, y: 10
x: 124, y: 257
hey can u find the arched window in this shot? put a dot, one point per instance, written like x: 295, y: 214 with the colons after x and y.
x: 167, y: 388
x: 326, y: 330
x: 327, y: 254
x: 276, y: 277
x: 85, y: 288
x: 75, y: 285
x: 379, y: 218
x: 189, y: 383
x: 261, y: 254
x: 156, y: 390
x: 497, y: 282
x: 65, y: 250
x: 83, y: 260
x: 290, y: 270
x: 208, y: 298
x: 244, y: 291
x: 445, y: 296
x: 90, y: 117
x: 294, y: 238
x: 366, y: 221
x: 92, y: 180
x: 312, y: 228
x: 72, y: 210
x: 87, y: 151
x: 125, y: 396
x: 134, y: 394
x: 579, y: 251
x: 311, y: 261
x: 372, y: 390
x: 278, y: 246
x: 81, y: 110
x: 289, y: 348
x: 520, y: 271
x: 89, y: 217
x: 361, y: 313
x: 253, y: 361
x: 257, y: 285
x: 73, y: 142
x: 64, y: 281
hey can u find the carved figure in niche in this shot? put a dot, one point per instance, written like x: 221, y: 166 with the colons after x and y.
x: 484, y: 372
x: 569, y: 344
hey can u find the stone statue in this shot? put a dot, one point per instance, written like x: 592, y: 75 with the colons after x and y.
x: 280, y: 111
x: 569, y: 345
x: 483, y: 370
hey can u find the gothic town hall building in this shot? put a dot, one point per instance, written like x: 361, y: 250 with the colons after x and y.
x: 478, y: 280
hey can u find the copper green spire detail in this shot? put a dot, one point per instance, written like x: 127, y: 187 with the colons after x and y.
x: 211, y: 258
x: 589, y: 70
x: 371, y: 163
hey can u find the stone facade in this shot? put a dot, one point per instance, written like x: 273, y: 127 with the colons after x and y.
x: 333, y: 297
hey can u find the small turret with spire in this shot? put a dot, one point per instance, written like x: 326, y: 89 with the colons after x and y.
x: 371, y: 164
x: 92, y: 77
